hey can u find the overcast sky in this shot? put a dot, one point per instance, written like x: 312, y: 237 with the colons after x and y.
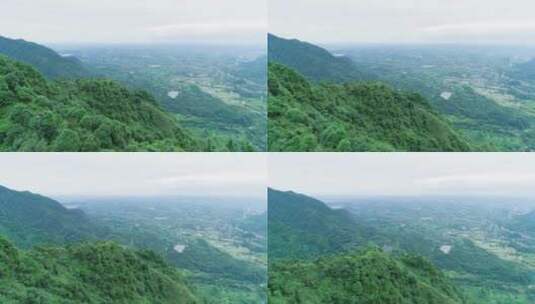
x: 505, y: 174
x: 404, y: 21
x: 136, y: 174
x: 135, y: 21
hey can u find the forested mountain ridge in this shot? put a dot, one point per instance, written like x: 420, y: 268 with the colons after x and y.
x: 303, y: 227
x: 29, y: 219
x: 46, y: 60
x: 101, y: 272
x: 315, y: 63
x: 323, y: 255
x: 369, y: 276
x: 42, y: 226
x: 81, y: 115
x: 352, y: 117
x: 216, y: 124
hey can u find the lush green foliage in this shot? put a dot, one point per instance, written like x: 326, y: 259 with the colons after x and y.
x: 370, y: 277
x: 88, y: 273
x: 352, y: 117
x: 483, y: 247
x: 313, y: 62
x: 236, y: 123
x: 48, y: 62
x: 302, y: 227
x: 218, y: 276
x: 219, y: 248
x: 29, y: 219
x: 81, y: 115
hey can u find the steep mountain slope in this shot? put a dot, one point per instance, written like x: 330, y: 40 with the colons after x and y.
x: 88, y: 273
x: 47, y: 61
x: 313, y: 260
x: 302, y: 227
x: 81, y: 115
x: 369, y: 277
x: 352, y: 117
x: 30, y: 219
x: 314, y: 62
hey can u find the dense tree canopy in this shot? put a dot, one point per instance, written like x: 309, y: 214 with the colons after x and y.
x: 303, y: 227
x: 81, y: 115
x: 315, y: 63
x: 368, y: 277
x: 100, y: 272
x: 29, y: 219
x: 352, y: 117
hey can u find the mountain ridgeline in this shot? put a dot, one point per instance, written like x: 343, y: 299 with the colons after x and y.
x: 368, y: 276
x: 337, y: 266
x: 53, y: 102
x: 303, y: 227
x: 61, y: 260
x: 47, y: 61
x: 314, y: 62
x: 29, y: 219
x: 81, y: 115
x: 351, y: 117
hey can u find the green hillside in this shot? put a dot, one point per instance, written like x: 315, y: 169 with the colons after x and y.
x: 352, y: 117
x: 315, y: 63
x: 367, y: 277
x: 30, y: 219
x: 81, y: 115
x: 302, y: 227
x: 191, y: 100
x: 47, y: 61
x: 88, y: 273
x: 200, y: 256
x: 322, y: 255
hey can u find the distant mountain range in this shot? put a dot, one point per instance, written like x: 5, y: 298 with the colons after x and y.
x: 46, y: 60
x: 29, y: 219
x: 300, y: 226
x: 315, y: 63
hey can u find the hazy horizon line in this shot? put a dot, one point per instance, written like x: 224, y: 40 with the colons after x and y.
x: 257, y: 44
x: 321, y: 196
x: 404, y: 43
